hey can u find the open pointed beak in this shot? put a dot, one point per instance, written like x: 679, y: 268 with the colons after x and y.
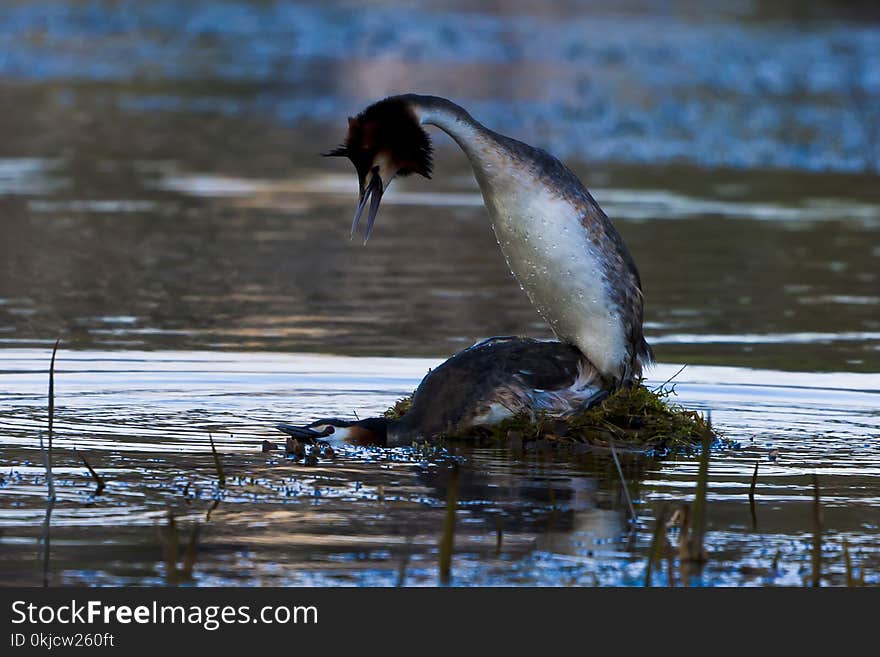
x: 371, y: 195
x: 303, y: 433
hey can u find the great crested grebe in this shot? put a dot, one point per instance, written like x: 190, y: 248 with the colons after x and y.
x: 493, y: 380
x: 558, y: 243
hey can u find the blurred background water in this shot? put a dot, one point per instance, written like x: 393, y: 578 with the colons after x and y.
x: 165, y: 212
x: 161, y: 186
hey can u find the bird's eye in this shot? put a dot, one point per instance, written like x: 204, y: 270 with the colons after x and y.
x: 328, y: 430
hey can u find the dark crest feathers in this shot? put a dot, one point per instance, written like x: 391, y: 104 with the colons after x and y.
x: 388, y: 126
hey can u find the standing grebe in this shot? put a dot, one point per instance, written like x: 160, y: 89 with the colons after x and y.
x: 489, y: 382
x: 558, y: 243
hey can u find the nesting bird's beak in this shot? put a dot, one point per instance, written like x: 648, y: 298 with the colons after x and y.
x: 371, y: 193
x: 303, y: 433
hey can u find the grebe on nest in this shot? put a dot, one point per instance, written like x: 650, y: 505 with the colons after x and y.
x: 491, y: 381
x: 558, y: 243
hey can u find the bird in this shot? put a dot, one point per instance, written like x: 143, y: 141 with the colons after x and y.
x: 558, y: 243
x: 493, y: 380
x: 560, y: 246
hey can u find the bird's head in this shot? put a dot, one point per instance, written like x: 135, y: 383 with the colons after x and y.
x: 384, y: 141
x: 370, y: 431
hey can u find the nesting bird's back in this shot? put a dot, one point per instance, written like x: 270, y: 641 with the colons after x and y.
x: 493, y: 379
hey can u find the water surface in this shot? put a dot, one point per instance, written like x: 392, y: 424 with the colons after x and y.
x: 373, y: 516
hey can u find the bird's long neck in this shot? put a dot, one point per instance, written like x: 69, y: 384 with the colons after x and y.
x: 484, y: 148
x: 508, y: 172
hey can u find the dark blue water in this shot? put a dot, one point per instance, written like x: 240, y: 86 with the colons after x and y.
x: 781, y: 86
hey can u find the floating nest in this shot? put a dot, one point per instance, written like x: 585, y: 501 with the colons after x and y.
x: 635, y: 419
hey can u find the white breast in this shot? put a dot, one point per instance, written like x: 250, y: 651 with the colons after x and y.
x: 549, y: 252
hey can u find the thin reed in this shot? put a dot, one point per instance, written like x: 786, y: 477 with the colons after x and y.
x: 447, y: 540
